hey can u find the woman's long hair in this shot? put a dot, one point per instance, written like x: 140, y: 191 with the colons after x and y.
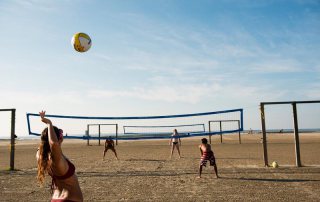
x: 175, y: 132
x: 44, y: 153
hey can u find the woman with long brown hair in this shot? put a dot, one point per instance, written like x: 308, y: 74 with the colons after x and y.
x: 65, y: 186
x: 175, y: 140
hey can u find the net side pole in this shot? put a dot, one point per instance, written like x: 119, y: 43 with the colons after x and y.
x: 210, y: 132
x: 296, y: 134
x: 12, y: 150
x: 28, y: 123
x: 241, y: 116
x: 99, y: 133
x: 239, y: 132
x: 117, y: 134
x: 87, y: 134
x: 264, y: 135
x: 220, y: 131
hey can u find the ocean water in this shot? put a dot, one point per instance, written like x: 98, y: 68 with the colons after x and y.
x: 24, y: 137
x: 304, y: 130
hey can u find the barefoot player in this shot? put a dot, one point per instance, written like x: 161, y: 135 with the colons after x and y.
x: 207, y: 155
x: 109, y: 144
x: 175, y: 141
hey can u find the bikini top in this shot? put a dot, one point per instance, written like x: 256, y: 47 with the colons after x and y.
x: 68, y: 174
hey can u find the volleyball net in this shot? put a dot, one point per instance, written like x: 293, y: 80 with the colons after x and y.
x: 141, y: 127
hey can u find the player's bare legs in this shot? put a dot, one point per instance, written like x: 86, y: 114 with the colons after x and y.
x: 172, y: 149
x: 216, y: 170
x: 115, y: 153
x: 178, y: 150
x: 104, y: 153
x: 200, y: 171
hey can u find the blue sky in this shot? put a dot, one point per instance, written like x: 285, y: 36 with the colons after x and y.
x: 160, y: 57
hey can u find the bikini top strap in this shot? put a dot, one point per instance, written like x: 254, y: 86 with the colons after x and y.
x: 69, y: 173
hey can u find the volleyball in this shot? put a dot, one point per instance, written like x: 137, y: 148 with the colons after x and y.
x: 275, y: 164
x: 81, y: 42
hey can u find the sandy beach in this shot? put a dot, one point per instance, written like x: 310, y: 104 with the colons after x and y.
x: 145, y: 172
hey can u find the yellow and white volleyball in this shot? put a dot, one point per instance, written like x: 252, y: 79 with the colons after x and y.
x: 275, y: 164
x: 81, y: 42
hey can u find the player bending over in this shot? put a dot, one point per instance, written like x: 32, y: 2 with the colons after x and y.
x: 109, y: 144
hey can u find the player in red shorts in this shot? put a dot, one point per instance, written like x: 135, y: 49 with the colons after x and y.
x: 207, y: 155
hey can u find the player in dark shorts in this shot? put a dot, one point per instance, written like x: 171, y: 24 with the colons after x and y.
x: 109, y: 144
x: 174, y: 141
x: 207, y: 155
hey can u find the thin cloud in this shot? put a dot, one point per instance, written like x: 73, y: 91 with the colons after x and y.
x: 35, y: 98
x: 181, y: 93
x: 313, y: 92
x: 280, y: 66
x: 39, y: 5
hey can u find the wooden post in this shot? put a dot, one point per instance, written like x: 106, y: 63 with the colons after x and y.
x: 210, y: 132
x: 87, y: 134
x: 296, y: 128
x: 117, y: 134
x: 13, y: 137
x: 264, y: 136
x: 99, y: 133
x: 220, y: 131
x: 296, y: 134
x: 239, y: 132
